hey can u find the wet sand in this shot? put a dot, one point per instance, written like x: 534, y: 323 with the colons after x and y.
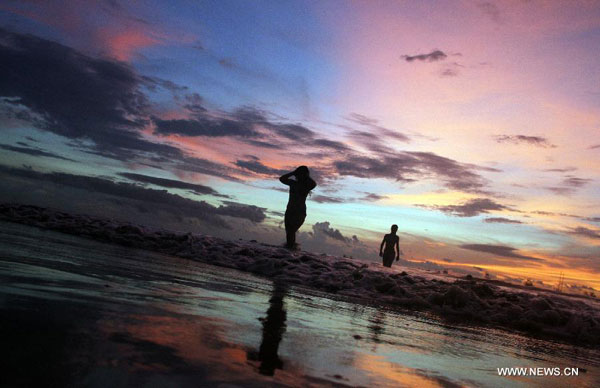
x: 76, y: 312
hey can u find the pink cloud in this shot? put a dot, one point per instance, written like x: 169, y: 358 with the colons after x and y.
x: 97, y: 28
x: 123, y: 44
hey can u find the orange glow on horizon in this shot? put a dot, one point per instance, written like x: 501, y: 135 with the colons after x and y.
x: 549, y: 275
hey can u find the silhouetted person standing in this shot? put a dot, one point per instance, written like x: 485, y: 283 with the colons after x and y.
x: 295, y: 213
x: 391, y: 241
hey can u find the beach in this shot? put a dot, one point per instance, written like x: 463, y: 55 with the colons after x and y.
x: 299, y: 194
x: 534, y: 312
x: 78, y: 312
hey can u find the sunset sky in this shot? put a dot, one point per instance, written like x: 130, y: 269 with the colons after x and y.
x: 473, y: 125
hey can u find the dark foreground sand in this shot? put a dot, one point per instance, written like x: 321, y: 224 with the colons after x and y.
x: 536, y: 312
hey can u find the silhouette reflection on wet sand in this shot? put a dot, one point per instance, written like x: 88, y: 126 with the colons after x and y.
x: 273, y: 328
x: 376, y: 327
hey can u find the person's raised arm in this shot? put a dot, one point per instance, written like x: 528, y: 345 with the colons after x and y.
x: 312, y: 184
x: 285, y: 178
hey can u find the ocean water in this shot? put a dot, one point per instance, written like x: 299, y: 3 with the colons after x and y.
x: 79, y: 313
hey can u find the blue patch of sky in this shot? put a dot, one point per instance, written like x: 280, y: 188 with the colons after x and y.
x: 263, y: 62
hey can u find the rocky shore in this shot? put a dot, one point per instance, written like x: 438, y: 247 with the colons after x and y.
x: 535, y: 312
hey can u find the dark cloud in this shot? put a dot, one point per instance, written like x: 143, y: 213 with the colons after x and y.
x: 592, y: 219
x: 153, y: 83
x: 396, y: 167
x: 545, y: 213
x: 499, y: 250
x: 245, y: 122
x: 148, y: 198
x: 566, y: 169
x: 435, y: 55
x: 193, y: 103
x: 456, y: 175
x: 410, y: 166
x: 204, y: 126
x: 324, y: 228
x: 594, y: 147
x: 249, y: 212
x: 490, y: 9
x: 171, y: 183
x: 282, y: 189
x: 99, y: 105
x: 327, y: 199
x: 573, y: 181
x: 560, y: 190
x: 265, y: 144
x: 333, y: 145
x: 501, y: 220
x: 569, y: 185
x: 376, y: 132
x: 368, y: 197
x: 372, y: 197
x: 128, y: 146
x: 251, y: 126
x: 376, y: 144
x: 198, y: 165
x: 585, y: 232
x: 362, y: 119
x: 76, y: 96
x: 96, y: 103
x: 25, y: 149
x: 291, y: 131
x: 481, y: 168
x: 537, y: 141
x: 470, y: 208
x: 449, y: 72
x: 257, y: 117
x: 253, y: 164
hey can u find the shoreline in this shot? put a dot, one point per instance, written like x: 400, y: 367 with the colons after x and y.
x: 534, y: 312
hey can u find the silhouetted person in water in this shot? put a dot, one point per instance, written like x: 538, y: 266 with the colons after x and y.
x: 295, y: 213
x: 273, y: 329
x: 391, y: 241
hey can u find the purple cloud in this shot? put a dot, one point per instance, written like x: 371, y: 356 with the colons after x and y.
x: 585, y: 232
x: 499, y: 250
x: 435, y: 55
x: 470, y: 208
x: 501, y: 220
x: 569, y: 185
x: 171, y: 183
x: 537, y: 141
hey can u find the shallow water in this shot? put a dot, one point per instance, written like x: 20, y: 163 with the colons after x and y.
x: 81, y: 313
